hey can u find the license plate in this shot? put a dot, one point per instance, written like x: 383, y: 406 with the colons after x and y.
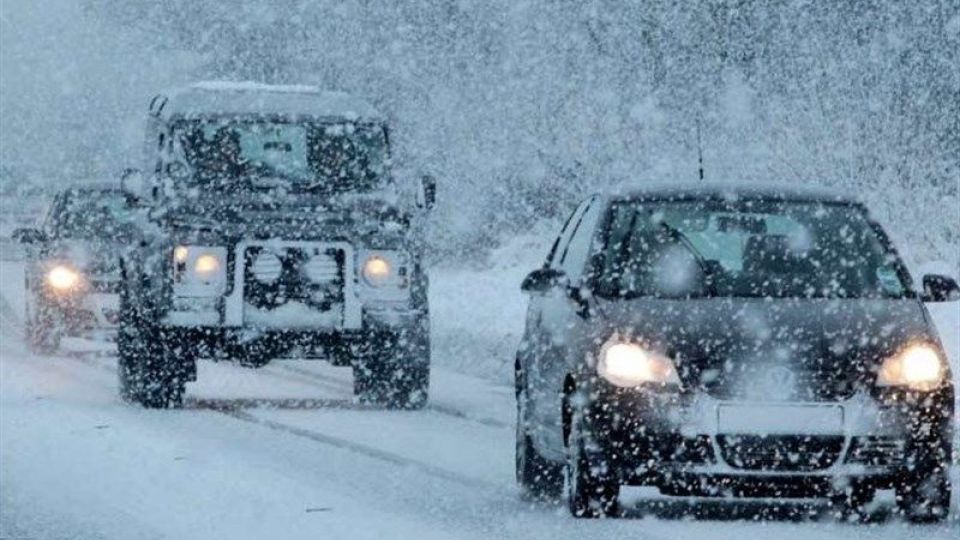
x: 775, y: 419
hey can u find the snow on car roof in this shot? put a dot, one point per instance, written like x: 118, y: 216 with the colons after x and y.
x: 251, y: 98
x: 720, y: 190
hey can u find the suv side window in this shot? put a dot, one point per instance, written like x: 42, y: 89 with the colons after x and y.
x: 560, y: 244
x: 575, y: 255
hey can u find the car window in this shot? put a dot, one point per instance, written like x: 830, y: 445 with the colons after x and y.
x: 575, y: 255
x: 760, y: 249
x: 560, y: 244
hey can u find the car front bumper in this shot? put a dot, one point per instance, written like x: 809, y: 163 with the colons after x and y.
x: 656, y: 439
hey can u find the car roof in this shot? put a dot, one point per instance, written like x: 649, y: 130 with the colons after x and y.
x: 732, y: 192
x: 212, y: 98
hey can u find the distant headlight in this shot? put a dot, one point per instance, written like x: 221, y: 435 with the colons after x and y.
x: 63, y: 278
x: 918, y: 367
x: 628, y: 365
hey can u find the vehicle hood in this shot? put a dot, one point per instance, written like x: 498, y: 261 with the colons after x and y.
x: 253, y: 215
x: 725, y: 345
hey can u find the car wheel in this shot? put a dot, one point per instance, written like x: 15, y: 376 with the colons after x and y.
x: 925, y: 496
x: 591, y: 491
x: 147, y: 371
x: 539, y: 479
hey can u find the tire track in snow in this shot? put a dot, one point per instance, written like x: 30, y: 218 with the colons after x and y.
x: 362, y: 449
x: 234, y: 408
x: 431, y: 406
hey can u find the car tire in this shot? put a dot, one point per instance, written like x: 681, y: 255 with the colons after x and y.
x: 538, y: 478
x: 591, y: 491
x: 924, y: 497
x: 147, y: 372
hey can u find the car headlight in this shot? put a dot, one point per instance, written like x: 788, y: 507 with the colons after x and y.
x: 628, y: 365
x: 199, y: 270
x: 383, y: 268
x: 62, y: 278
x: 917, y: 367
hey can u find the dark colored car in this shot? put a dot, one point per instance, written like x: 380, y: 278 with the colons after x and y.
x: 732, y: 341
x: 275, y: 228
x: 72, y: 266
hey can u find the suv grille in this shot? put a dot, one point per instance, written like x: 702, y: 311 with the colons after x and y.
x: 780, y: 453
x: 311, y: 275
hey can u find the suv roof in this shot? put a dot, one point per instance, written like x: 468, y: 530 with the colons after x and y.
x: 723, y: 191
x: 250, y: 98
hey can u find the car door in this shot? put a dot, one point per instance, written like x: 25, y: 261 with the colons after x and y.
x: 560, y: 322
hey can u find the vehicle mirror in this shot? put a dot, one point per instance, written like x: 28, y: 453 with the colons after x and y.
x: 940, y: 288
x: 28, y: 235
x: 134, y: 185
x: 541, y: 280
x: 427, y: 193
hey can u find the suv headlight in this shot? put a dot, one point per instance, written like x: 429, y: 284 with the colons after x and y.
x: 917, y: 367
x: 382, y: 269
x: 199, y: 270
x: 629, y: 364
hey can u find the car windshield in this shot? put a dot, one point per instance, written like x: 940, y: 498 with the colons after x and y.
x: 91, y: 214
x: 302, y: 155
x: 746, y: 249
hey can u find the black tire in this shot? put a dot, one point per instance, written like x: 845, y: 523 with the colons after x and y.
x: 149, y: 373
x: 924, y: 496
x: 391, y: 385
x: 538, y: 478
x: 592, y: 491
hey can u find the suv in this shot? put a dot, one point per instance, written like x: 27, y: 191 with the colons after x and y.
x: 742, y: 341
x: 274, y: 228
x: 72, y: 273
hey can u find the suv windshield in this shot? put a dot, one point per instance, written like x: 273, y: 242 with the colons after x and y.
x: 746, y: 249
x: 304, y: 155
x: 91, y: 214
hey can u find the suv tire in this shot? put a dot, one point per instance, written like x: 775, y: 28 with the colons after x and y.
x: 590, y: 492
x: 539, y: 479
x: 147, y: 371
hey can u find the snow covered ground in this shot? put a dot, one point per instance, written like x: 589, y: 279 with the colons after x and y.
x: 283, y: 452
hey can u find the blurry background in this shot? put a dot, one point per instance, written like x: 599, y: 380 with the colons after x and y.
x: 520, y: 107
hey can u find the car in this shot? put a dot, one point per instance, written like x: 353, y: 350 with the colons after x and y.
x: 751, y: 341
x: 276, y: 228
x: 72, y: 266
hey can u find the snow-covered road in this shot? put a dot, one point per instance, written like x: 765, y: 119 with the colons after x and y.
x: 283, y: 452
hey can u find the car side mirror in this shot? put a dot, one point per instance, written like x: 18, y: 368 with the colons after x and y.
x: 542, y: 280
x: 28, y: 235
x: 427, y: 193
x: 135, y: 186
x: 940, y: 288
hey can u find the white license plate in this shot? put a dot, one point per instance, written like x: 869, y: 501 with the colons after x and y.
x: 777, y: 419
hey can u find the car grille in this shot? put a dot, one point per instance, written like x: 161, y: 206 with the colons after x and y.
x: 807, y: 386
x: 780, y: 453
x: 310, y: 275
x: 876, y: 451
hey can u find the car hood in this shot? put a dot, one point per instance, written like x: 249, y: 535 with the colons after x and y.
x: 825, y: 348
